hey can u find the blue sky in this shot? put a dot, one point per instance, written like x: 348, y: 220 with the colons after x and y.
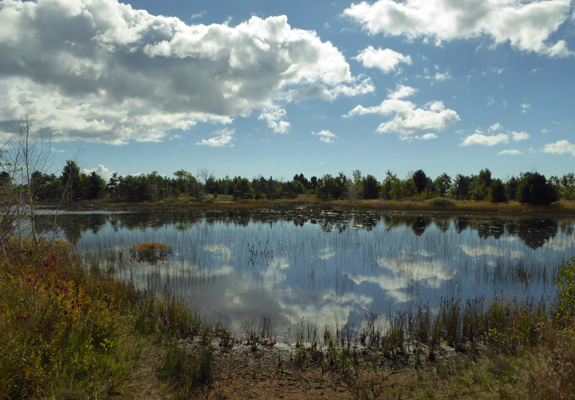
x: 278, y: 88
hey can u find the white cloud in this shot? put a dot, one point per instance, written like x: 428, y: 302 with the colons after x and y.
x: 274, y: 117
x: 510, y: 152
x: 325, y: 136
x: 495, y: 127
x: 437, y: 76
x: 525, y: 107
x: 518, y: 136
x: 428, y: 136
x: 385, y: 60
x: 100, y: 170
x: 485, y: 140
x: 198, y: 15
x: 526, y: 26
x: 102, y: 71
x: 223, y: 137
x: 498, y: 136
x: 408, y: 118
x: 560, y: 147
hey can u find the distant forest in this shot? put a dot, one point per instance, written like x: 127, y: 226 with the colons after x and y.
x: 73, y: 185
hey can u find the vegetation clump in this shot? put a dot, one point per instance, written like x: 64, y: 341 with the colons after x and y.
x: 150, y: 252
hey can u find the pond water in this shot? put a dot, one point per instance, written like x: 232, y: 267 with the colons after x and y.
x: 324, y: 267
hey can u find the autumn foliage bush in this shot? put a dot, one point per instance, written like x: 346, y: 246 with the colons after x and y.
x: 59, y: 328
x: 67, y: 331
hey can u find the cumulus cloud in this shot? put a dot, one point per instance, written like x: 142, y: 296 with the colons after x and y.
x: 385, y: 60
x: 325, y: 136
x: 498, y: 135
x: 527, y: 26
x: 485, y: 140
x: 222, y: 137
x: 100, y: 170
x: 560, y: 147
x: 408, y: 118
x: 518, y: 136
x: 102, y: 71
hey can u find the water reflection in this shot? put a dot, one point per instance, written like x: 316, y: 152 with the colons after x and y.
x: 534, y: 232
x: 326, y: 266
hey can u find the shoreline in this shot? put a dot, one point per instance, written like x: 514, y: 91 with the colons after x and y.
x: 436, y: 205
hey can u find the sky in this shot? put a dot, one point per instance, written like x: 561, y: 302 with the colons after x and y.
x: 277, y: 88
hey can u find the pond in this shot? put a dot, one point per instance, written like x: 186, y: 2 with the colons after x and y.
x: 290, y: 268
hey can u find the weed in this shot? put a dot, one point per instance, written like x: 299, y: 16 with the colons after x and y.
x: 565, y: 305
x: 186, y: 370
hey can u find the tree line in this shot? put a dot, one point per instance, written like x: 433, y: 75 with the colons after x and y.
x: 74, y: 185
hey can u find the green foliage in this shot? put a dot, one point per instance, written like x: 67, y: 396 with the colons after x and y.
x: 370, y: 187
x: 534, y: 189
x: 95, y: 187
x: 460, y: 187
x: 73, y: 185
x: 332, y: 188
x: 511, y: 188
x: 419, y: 180
x: 394, y: 188
x: 497, y: 192
x: 71, y: 182
x: 478, y: 190
x: 242, y: 189
x: 442, y: 184
x: 567, y: 188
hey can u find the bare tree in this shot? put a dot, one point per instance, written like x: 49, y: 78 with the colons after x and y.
x: 25, y: 155
x: 203, y: 176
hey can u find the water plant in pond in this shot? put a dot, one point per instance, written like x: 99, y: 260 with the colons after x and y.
x: 151, y: 252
